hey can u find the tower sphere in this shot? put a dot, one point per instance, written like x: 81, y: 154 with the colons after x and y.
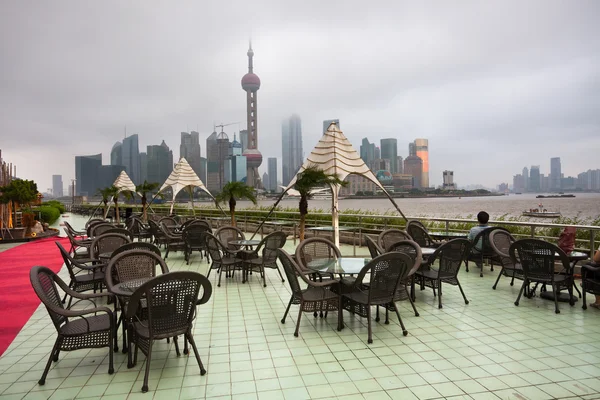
x: 250, y: 82
x: 253, y: 158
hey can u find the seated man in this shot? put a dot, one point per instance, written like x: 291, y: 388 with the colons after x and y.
x: 483, y: 219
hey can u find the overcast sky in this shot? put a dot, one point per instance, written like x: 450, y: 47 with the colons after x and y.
x: 494, y: 85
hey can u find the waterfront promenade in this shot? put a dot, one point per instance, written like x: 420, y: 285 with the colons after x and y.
x: 488, y: 349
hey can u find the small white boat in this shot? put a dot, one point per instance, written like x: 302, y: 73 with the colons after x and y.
x: 541, y: 212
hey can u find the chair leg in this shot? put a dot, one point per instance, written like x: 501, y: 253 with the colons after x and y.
x: 148, y: 359
x: 461, y: 292
x: 42, y: 380
x: 264, y: 276
x: 570, y: 290
x: 412, y: 303
x: 377, y: 314
x: 467, y: 265
x: 167, y: 253
x: 404, y: 331
x: 498, y: 279
x: 556, y: 310
x: 189, y: 338
x: 221, y: 273
x: 584, y: 306
x: 278, y: 270
x: 521, y: 292
x: 111, y: 334
x: 387, y: 314
x: 370, y: 337
x: 299, y: 317
x: 177, y: 346
x: 340, y: 315
x: 439, y: 293
x: 287, y: 309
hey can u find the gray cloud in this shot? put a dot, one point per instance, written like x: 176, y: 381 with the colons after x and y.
x: 495, y: 86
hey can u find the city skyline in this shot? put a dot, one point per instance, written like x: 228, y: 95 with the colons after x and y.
x: 480, y: 90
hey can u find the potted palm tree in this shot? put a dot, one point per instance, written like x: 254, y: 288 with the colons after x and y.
x: 310, y: 179
x: 233, y: 190
x: 143, y: 189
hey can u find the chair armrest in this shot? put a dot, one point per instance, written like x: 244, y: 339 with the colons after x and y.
x: 80, y: 313
x: 323, y: 284
x: 591, y: 268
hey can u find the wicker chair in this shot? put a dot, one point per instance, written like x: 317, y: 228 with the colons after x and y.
x: 315, y: 248
x: 227, y: 234
x: 137, y: 246
x: 316, y: 297
x: 122, y: 231
x: 99, y: 229
x: 107, y: 243
x: 84, y: 275
x: 173, y: 241
x: 77, y: 329
x: 75, y: 233
x: 590, y: 281
x: 138, y: 229
x: 195, y: 221
x: 170, y: 311
x: 450, y: 256
x: 169, y: 222
x: 132, y: 265
x: 479, y: 255
x: 265, y: 255
x: 386, y: 271
x: 82, y: 245
x: 420, y: 235
x: 500, y: 241
x: 91, y: 223
x: 194, y: 239
x: 413, y: 250
x: 158, y: 235
x: 538, y: 260
x: 374, y: 249
x: 390, y: 236
x: 221, y: 259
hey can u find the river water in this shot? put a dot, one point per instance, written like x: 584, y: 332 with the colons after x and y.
x: 583, y: 206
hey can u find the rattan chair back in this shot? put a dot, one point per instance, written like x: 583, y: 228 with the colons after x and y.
x: 373, y: 247
x: 121, y: 231
x: 419, y: 234
x: 450, y: 256
x: 107, y: 243
x: 385, y: 271
x: 411, y: 249
x: 71, y: 229
x: 195, y: 221
x: 137, y: 246
x: 292, y: 271
x: 316, y: 248
x: 270, y: 244
x: 168, y: 221
x: 500, y: 242
x: 390, y: 236
x: 194, y: 236
x: 216, y: 249
x: 99, y: 229
x: 134, y: 264
x: 93, y: 222
x: 43, y: 281
x: 226, y: 234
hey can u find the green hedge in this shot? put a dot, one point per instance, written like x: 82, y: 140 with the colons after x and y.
x: 56, y: 204
x: 48, y: 213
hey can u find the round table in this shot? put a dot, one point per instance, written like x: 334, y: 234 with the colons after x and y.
x: 127, y: 288
x: 340, y: 266
x: 245, y: 243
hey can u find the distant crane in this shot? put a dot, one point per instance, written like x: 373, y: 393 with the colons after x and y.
x: 224, y: 125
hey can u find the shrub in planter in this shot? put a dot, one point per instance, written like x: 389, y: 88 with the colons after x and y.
x: 48, y: 214
x: 55, y: 204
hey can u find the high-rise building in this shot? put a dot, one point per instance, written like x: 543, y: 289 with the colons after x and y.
x: 190, y: 150
x: 525, y: 179
x: 389, y: 151
x: 555, y: 174
x: 131, y: 157
x: 57, y: 186
x: 422, y: 149
x: 400, y: 165
x: 202, y: 174
x: 116, y: 154
x: 107, y: 175
x: 235, y: 164
x: 86, y: 174
x: 328, y: 122
x: 448, y: 179
x: 413, y: 165
x: 212, y: 163
x: 412, y: 149
x: 244, y: 139
x: 251, y: 84
x: 367, y: 152
x: 291, y: 147
x: 535, y: 183
x: 143, y: 167
x: 159, y: 162
x: 265, y: 180
x: 272, y: 165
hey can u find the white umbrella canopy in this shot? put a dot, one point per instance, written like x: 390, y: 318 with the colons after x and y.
x: 181, y: 177
x: 335, y: 155
x: 124, y: 183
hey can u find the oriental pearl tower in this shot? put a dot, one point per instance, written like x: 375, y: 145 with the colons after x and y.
x: 251, y: 84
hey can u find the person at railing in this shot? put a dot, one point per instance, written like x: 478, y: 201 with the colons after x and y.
x: 596, y: 260
x: 482, y: 218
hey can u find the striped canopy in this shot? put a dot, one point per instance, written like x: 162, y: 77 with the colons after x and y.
x: 124, y: 183
x: 181, y: 177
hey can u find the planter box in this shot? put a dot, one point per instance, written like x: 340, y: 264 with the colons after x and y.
x: 17, y: 233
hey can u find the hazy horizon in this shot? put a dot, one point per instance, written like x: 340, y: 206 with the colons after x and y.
x: 494, y: 86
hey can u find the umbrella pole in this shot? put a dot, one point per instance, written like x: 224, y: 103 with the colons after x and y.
x: 335, y: 218
x: 268, y: 215
x: 395, y: 205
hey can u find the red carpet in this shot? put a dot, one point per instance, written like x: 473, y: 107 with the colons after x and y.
x: 18, y: 301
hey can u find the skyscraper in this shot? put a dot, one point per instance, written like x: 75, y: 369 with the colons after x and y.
x: 399, y: 165
x: 291, y: 148
x: 244, y: 139
x: 555, y: 173
x: 212, y: 162
x: 367, y: 152
x: 160, y: 162
x: 131, y: 157
x: 535, y: 183
x: 525, y: 179
x: 143, y: 167
x: 251, y: 84
x: 116, y: 154
x: 413, y: 166
x: 235, y: 164
x: 328, y: 122
x: 86, y: 174
x: 389, y: 151
x: 57, y: 186
x: 422, y: 149
x: 272, y: 164
x: 190, y: 150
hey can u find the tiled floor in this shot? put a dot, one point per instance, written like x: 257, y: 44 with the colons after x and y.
x: 488, y: 349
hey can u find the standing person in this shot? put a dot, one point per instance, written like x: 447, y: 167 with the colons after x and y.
x: 483, y: 219
x: 596, y: 260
